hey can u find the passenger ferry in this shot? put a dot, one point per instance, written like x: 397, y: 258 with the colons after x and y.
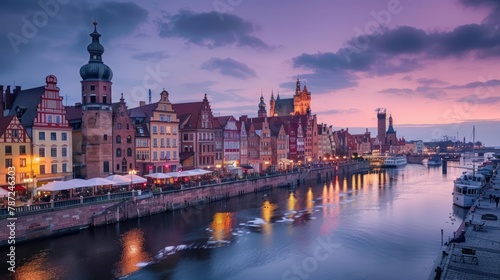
x: 466, y: 195
x: 468, y: 188
x: 395, y: 161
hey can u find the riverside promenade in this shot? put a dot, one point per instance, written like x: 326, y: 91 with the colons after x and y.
x: 479, y: 256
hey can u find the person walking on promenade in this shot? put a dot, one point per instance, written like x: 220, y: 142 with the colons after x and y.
x: 497, y: 199
x: 491, y: 197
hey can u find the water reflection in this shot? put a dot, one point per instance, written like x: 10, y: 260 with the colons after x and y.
x: 35, y: 269
x: 267, y: 215
x: 133, y: 252
x: 221, y: 226
x: 310, y: 200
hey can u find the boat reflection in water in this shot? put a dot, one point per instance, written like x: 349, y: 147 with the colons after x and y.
x: 221, y: 227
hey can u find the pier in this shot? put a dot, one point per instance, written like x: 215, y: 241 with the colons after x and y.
x: 478, y: 257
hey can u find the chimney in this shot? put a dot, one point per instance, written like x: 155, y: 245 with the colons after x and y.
x: 142, y: 103
x: 18, y: 89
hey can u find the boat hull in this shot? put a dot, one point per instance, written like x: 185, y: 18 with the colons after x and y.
x: 394, y: 162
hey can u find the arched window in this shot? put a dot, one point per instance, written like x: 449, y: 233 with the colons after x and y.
x: 118, y: 152
x: 129, y: 139
x: 129, y: 152
x: 124, y: 165
x: 118, y: 139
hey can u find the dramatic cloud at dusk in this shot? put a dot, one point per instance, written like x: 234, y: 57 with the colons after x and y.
x: 430, y: 63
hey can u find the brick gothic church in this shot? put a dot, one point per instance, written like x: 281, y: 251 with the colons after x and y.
x: 300, y: 104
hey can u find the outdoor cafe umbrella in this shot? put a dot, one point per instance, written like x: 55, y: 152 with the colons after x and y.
x: 118, y: 179
x: 56, y: 186
x: 136, y: 179
x: 158, y: 175
x: 3, y: 192
x: 199, y: 171
x: 181, y: 174
x: 99, y: 182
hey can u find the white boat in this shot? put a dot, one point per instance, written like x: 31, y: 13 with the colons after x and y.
x: 471, y: 179
x: 466, y: 195
x: 395, y: 161
x: 468, y: 187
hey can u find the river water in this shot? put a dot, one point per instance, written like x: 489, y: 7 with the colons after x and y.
x: 380, y: 225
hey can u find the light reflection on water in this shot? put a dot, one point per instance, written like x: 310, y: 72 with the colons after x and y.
x: 386, y: 222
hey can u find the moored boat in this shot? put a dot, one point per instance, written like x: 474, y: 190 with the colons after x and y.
x: 395, y: 161
x: 434, y: 160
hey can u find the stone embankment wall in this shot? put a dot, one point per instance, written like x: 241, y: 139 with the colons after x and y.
x: 59, y: 221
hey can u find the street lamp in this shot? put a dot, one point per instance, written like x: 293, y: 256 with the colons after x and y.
x: 28, y: 181
x: 132, y: 173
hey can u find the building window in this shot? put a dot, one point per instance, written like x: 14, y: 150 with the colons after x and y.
x: 155, y: 155
x: 106, y: 167
x: 162, y: 118
x: 129, y: 152
x: 64, y: 136
x: 118, y: 139
x: 118, y: 167
x: 8, y: 150
x: 104, y: 99
x: 118, y: 152
x: 42, y: 169
x: 49, y: 118
x: 129, y: 139
x: 105, y: 137
x: 162, y: 142
x: 22, y: 150
x: 175, y: 154
x: 155, y: 142
x: 168, y: 155
x: 41, y: 152
x: 92, y: 88
x: 64, y: 167
x: 53, y: 152
x: 53, y: 136
x: 8, y: 162
x: 53, y: 168
x: 119, y: 126
x: 124, y: 165
x: 104, y: 88
x: 155, y: 129
x: 64, y: 152
x: 22, y: 162
x: 15, y: 133
x: 168, y: 118
x: 174, y: 142
x: 162, y: 129
x: 168, y: 142
x: 93, y: 98
x: 58, y: 119
x: 128, y: 126
x: 41, y: 135
x: 185, y: 137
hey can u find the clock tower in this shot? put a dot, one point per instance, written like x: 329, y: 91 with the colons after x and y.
x: 96, y: 112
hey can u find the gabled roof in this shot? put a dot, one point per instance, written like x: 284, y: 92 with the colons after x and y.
x: 142, y: 113
x: 4, y: 123
x: 25, y: 105
x: 222, y: 120
x: 192, y: 108
x: 283, y: 107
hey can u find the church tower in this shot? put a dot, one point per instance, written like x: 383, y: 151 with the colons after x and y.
x: 96, y: 111
x: 271, y: 105
x: 381, y: 118
x: 301, y: 99
x: 262, y: 107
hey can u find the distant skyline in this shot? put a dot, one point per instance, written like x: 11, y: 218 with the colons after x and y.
x: 431, y: 64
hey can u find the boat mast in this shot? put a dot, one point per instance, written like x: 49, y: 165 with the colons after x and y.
x: 473, y: 153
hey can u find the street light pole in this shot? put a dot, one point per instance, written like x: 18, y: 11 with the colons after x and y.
x: 132, y: 173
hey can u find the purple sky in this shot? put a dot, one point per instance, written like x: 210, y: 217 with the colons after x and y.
x: 430, y: 63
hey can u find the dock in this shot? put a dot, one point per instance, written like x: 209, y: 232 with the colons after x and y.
x: 479, y: 256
